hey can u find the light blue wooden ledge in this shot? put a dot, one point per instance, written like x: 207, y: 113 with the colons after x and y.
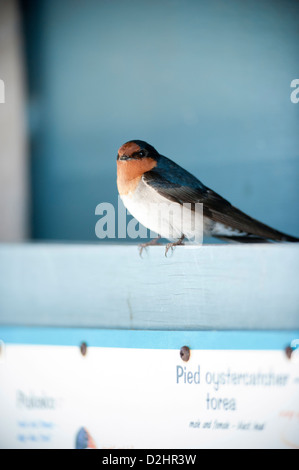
x: 219, y: 287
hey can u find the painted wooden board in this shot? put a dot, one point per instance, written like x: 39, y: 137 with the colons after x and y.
x: 110, y: 286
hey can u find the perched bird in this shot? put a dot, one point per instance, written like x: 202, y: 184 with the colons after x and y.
x: 146, y: 180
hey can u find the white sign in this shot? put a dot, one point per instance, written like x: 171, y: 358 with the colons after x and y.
x: 112, y: 398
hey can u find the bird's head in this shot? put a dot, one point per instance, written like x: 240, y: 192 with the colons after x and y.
x: 134, y: 158
x: 136, y: 150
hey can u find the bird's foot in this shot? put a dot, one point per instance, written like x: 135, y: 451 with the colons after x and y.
x: 153, y: 242
x: 172, y: 245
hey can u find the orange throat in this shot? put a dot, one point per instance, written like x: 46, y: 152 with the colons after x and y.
x: 129, y: 173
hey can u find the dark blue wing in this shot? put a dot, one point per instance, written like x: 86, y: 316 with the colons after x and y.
x: 176, y: 184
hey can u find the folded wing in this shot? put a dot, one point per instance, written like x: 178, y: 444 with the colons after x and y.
x: 182, y: 187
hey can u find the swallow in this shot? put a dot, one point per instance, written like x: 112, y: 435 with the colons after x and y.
x: 146, y: 179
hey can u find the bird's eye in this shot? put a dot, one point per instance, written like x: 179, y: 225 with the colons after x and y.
x: 141, y: 153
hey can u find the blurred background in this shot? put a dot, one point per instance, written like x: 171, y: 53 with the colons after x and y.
x: 206, y: 83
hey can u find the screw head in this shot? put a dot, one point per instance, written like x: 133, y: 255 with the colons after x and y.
x: 83, y: 348
x: 289, y: 352
x: 185, y: 353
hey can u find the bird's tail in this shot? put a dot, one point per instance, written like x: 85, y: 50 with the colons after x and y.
x: 289, y: 238
x: 271, y: 236
x: 235, y: 225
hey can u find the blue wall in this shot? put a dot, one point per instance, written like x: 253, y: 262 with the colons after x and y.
x: 206, y: 83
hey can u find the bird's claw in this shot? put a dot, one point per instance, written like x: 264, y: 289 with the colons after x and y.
x: 172, y: 245
x: 168, y: 247
x: 143, y: 246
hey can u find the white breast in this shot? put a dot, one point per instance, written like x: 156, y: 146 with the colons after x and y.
x: 166, y: 218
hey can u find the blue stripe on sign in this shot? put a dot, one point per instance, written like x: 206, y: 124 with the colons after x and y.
x: 248, y: 340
